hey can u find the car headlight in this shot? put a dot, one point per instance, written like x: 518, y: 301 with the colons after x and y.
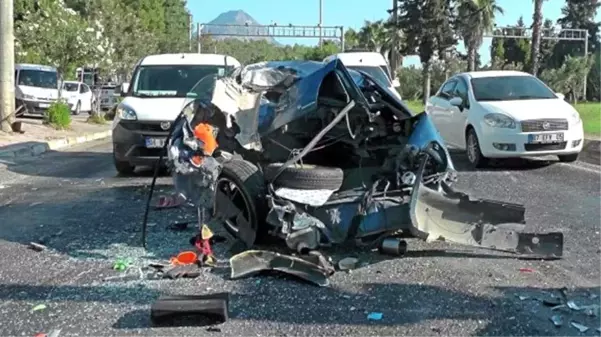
x: 497, y: 120
x: 574, y: 117
x: 124, y: 112
x: 25, y: 96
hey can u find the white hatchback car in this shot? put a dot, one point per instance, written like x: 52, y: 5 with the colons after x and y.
x: 505, y: 114
x: 79, y: 95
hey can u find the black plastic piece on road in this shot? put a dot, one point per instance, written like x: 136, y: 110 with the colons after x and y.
x: 196, y: 310
x: 543, y: 246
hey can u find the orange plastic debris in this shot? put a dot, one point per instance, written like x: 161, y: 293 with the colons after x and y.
x: 184, y: 258
x: 205, y: 133
x: 197, y: 160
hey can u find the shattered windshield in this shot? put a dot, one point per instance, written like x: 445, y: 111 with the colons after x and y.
x: 171, y: 80
x: 38, y: 78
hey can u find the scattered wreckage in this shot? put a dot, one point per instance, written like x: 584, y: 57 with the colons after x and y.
x: 319, y: 155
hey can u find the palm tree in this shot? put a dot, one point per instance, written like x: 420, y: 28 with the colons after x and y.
x: 476, y: 17
x: 372, y: 35
x: 537, y: 23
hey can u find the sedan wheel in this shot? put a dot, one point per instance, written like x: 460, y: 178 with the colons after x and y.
x: 474, y: 155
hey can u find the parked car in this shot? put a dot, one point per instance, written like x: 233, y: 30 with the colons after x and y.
x: 153, y: 101
x: 505, y: 114
x: 315, y: 154
x: 79, y: 96
x: 372, y: 63
x: 108, y: 96
x: 36, y: 88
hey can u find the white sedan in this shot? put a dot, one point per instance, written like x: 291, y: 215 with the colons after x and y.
x: 505, y: 114
x: 79, y: 95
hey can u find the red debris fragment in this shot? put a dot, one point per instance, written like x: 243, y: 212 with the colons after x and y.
x: 526, y: 270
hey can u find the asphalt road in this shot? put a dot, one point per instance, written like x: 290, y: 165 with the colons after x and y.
x: 89, y: 217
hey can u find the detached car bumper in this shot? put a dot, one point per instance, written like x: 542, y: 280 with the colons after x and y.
x: 132, y: 142
x: 507, y: 143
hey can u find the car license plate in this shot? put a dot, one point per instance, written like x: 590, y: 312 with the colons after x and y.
x: 152, y: 143
x: 44, y: 105
x: 546, y: 138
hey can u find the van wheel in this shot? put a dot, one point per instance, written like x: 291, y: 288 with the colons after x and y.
x: 77, y: 109
x: 123, y: 168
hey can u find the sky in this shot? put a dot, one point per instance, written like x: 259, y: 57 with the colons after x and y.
x: 352, y: 14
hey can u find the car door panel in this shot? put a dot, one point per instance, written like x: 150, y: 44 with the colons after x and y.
x: 442, y: 108
x: 458, y: 117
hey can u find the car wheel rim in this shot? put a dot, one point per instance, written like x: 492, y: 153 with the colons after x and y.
x: 239, y: 199
x: 472, y: 148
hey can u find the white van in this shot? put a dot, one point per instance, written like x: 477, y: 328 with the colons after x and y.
x: 371, y: 63
x: 36, y: 87
x: 154, y: 100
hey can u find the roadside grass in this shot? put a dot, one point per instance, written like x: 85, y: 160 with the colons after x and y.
x: 590, y: 113
x: 96, y: 119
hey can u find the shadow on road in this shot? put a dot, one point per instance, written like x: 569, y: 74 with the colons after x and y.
x: 58, y: 164
x: 501, y: 314
x: 84, y: 221
x: 512, y: 164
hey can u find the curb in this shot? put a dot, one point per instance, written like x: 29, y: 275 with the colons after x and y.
x: 32, y: 149
x: 591, y: 151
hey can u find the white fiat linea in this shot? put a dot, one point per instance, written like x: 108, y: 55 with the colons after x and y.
x: 505, y: 114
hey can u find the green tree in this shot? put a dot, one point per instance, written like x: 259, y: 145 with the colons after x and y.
x: 427, y: 29
x: 516, y: 51
x: 319, y: 53
x: 176, y: 33
x: 351, y: 38
x: 475, y: 18
x: 568, y: 78
x: 55, y: 35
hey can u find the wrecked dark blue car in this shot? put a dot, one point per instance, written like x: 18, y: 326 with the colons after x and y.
x: 318, y: 155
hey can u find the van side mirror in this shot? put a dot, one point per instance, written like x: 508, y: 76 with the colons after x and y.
x: 560, y: 95
x: 123, y: 89
x: 396, y: 83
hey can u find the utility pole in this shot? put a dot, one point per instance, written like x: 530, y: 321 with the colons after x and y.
x: 190, y: 29
x: 320, y: 22
x: 199, y: 47
x: 585, y: 79
x: 7, y: 65
x: 395, y: 37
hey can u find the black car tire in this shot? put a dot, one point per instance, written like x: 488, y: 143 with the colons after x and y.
x: 568, y: 158
x: 476, y: 158
x: 123, y: 168
x: 77, y: 109
x: 305, y: 177
x: 250, y: 182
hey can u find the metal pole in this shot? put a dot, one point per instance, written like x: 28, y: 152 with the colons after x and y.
x: 394, y: 57
x: 342, y: 39
x: 586, y: 73
x: 7, y: 65
x: 320, y: 22
x: 190, y: 29
x: 198, y: 36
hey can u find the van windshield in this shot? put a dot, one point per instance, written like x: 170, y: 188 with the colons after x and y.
x: 170, y: 80
x: 376, y: 72
x: 38, y: 78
